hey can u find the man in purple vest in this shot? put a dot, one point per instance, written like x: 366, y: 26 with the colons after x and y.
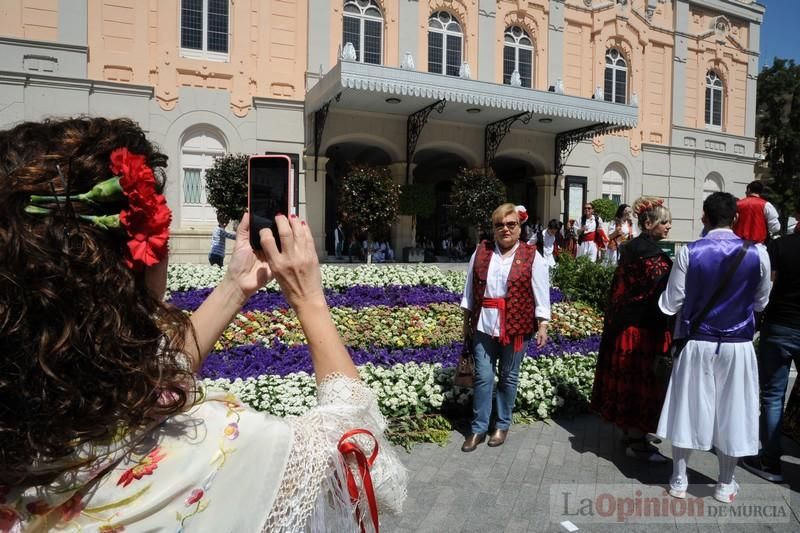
x: 712, y: 400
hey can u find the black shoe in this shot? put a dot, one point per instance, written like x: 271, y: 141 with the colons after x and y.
x: 644, y: 451
x: 757, y: 466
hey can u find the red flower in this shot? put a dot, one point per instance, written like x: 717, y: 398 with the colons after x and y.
x: 72, y: 508
x: 145, y: 467
x: 195, y: 496
x: 147, y: 217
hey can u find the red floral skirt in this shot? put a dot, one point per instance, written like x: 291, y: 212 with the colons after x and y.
x: 626, y: 391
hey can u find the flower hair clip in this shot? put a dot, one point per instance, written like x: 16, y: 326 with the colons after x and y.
x: 648, y: 205
x: 144, y: 217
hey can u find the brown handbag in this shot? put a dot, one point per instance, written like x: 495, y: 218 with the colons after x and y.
x: 465, y: 370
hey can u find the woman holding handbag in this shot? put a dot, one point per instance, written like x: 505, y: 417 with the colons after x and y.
x: 507, y: 293
x: 626, y: 391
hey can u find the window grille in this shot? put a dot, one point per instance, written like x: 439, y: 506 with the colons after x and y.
x: 445, y: 44
x: 518, y: 55
x: 363, y: 27
x: 616, y: 77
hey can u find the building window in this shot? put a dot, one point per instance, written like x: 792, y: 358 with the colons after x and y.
x: 713, y: 100
x: 363, y: 27
x: 713, y: 183
x: 204, y: 29
x: 614, y: 183
x: 518, y: 55
x: 198, y: 151
x: 616, y: 78
x: 445, y: 41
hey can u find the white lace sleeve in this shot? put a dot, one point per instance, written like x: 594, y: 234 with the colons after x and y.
x: 311, y: 497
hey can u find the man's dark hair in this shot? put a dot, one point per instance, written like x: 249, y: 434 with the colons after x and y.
x: 553, y: 224
x: 720, y: 209
x: 755, y: 187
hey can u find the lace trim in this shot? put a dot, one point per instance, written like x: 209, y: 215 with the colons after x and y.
x: 310, y: 497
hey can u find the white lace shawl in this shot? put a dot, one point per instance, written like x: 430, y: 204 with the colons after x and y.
x: 311, y: 496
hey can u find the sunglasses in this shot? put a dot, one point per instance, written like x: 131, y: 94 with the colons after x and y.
x: 510, y: 225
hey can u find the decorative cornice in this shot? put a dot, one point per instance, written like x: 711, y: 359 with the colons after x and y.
x: 44, y: 45
x: 76, y: 84
x: 262, y: 102
x: 395, y: 81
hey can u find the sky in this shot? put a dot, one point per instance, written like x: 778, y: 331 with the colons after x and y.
x: 779, y: 33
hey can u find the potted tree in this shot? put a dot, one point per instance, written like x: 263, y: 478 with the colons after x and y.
x: 226, y: 185
x: 475, y: 194
x: 368, y: 201
x: 416, y: 200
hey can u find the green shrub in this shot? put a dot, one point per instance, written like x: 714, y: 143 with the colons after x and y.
x: 226, y: 185
x: 582, y: 280
x: 604, y: 208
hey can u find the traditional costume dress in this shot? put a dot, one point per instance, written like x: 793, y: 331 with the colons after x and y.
x: 504, y: 295
x: 712, y: 398
x: 757, y: 219
x: 591, y: 237
x: 627, y: 232
x: 626, y: 391
x: 221, y: 466
x: 548, y: 247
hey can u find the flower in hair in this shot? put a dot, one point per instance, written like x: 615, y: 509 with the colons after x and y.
x: 144, y: 217
x: 648, y: 205
x: 522, y: 213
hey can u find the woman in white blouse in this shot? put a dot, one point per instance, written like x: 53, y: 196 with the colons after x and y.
x: 621, y: 229
x: 506, y: 301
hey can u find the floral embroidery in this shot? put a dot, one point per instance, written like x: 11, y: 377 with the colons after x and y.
x: 38, y: 507
x: 145, y: 467
x: 8, y: 518
x: 194, y: 497
x: 231, y: 431
x: 72, y: 508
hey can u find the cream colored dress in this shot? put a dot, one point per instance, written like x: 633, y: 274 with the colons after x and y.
x: 221, y: 467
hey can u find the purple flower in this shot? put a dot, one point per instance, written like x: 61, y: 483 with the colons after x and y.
x: 357, y: 297
x: 254, y: 360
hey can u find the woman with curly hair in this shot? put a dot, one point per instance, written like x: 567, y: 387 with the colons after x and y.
x: 102, y: 422
x: 626, y: 391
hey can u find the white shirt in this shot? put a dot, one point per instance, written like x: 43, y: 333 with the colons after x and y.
x: 496, y: 280
x: 590, y: 224
x: 671, y: 300
x: 771, y: 214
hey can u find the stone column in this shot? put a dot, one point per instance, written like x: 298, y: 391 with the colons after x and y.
x: 409, y: 31
x: 402, y: 234
x: 311, y: 198
x: 679, y: 63
x: 752, y: 81
x: 547, y: 205
x: 487, y: 40
x: 555, y: 42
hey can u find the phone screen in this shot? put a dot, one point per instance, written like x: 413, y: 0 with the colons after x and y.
x: 269, y: 194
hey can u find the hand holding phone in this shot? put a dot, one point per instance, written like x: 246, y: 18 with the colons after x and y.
x: 270, y: 192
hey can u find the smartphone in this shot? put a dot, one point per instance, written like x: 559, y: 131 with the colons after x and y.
x: 270, y: 192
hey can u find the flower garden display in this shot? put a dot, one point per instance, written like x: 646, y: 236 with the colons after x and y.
x: 402, y: 326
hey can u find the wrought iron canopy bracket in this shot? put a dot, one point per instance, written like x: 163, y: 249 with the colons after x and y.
x: 320, y: 116
x: 495, y: 133
x: 566, y: 141
x: 414, y: 125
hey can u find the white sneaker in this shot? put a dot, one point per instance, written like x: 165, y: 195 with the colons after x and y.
x: 678, y: 486
x: 726, y: 492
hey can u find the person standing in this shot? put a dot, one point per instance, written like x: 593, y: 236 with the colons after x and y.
x: 217, y: 254
x: 592, y: 237
x: 620, y: 230
x: 507, y: 292
x: 778, y: 345
x: 548, y: 243
x: 338, y: 240
x: 635, y: 332
x: 716, y: 284
x: 757, y: 217
x: 571, y: 238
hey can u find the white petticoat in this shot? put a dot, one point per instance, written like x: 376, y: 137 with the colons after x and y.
x: 712, y: 399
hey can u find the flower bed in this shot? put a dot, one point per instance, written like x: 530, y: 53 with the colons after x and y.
x: 402, y: 326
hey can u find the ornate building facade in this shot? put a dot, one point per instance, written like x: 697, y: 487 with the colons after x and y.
x: 567, y: 100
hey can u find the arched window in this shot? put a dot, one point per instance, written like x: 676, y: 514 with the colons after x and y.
x: 713, y: 100
x: 518, y: 55
x: 199, y: 148
x: 445, y: 41
x: 713, y: 183
x: 614, y: 183
x: 616, y: 78
x: 363, y: 27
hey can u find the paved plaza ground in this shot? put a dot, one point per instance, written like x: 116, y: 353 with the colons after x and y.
x: 525, y: 485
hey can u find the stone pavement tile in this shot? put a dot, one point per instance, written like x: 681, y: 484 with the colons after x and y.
x: 517, y: 525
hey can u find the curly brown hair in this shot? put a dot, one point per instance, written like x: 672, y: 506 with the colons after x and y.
x: 87, y: 350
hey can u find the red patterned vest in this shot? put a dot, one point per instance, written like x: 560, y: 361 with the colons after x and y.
x: 520, y: 303
x: 751, y: 224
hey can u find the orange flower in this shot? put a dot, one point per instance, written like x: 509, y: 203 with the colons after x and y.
x: 145, y: 467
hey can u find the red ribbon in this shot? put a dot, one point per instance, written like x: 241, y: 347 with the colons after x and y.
x: 500, y: 305
x: 364, y: 463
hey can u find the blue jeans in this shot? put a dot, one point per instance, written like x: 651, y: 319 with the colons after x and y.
x: 777, y: 347
x: 487, y: 352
